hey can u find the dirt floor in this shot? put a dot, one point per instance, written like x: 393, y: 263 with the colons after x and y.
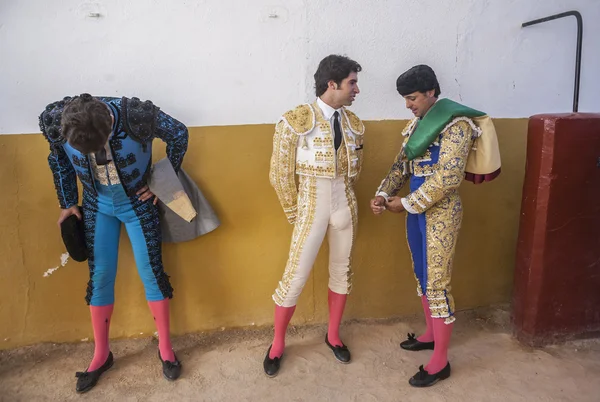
x: 487, y: 365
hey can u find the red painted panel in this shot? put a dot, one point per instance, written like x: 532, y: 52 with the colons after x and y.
x: 557, y: 273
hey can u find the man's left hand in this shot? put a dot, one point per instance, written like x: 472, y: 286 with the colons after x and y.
x: 145, y: 194
x: 394, y: 204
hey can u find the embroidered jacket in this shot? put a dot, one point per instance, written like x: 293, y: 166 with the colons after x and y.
x: 440, y: 170
x: 303, y: 144
x: 136, y: 124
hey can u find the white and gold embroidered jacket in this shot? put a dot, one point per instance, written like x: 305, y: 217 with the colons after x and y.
x: 303, y: 145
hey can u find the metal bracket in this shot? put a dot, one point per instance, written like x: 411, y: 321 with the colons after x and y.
x: 577, y: 15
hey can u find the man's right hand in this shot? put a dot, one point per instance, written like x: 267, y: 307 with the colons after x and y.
x: 378, y: 205
x: 65, y: 213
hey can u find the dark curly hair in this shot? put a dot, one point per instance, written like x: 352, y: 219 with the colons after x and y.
x: 419, y: 78
x: 336, y: 68
x: 86, y: 123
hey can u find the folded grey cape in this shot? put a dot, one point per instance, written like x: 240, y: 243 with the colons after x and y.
x: 176, y: 229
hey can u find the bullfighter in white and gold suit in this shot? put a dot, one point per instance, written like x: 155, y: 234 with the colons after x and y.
x: 322, y: 143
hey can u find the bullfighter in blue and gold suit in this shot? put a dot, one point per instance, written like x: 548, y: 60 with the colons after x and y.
x: 445, y: 142
x: 107, y: 143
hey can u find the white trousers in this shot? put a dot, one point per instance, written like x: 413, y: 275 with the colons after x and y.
x: 325, y: 206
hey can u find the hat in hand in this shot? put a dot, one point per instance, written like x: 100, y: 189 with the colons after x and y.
x: 73, y: 236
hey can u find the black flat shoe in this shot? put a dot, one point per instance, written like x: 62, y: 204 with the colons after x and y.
x: 424, y: 379
x: 86, y: 380
x: 271, y: 366
x: 414, y: 345
x: 340, y: 352
x: 171, y: 370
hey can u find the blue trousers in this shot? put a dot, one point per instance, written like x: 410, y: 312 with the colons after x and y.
x: 103, y: 215
x: 416, y: 229
x: 432, y: 238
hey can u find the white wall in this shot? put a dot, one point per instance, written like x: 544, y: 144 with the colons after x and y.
x: 224, y: 62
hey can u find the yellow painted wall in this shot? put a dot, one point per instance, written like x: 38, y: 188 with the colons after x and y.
x: 226, y: 278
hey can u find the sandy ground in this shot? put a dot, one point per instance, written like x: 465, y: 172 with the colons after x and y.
x: 487, y: 365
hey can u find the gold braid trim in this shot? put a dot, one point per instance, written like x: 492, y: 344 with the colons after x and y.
x: 283, y: 166
x: 300, y: 120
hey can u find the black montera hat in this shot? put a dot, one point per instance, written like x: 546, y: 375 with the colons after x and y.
x: 73, y: 235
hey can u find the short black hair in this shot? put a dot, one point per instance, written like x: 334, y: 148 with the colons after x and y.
x: 86, y: 123
x: 419, y: 78
x: 336, y: 68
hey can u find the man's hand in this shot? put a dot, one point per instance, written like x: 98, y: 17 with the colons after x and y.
x: 378, y: 205
x: 145, y: 194
x: 65, y: 213
x: 394, y: 204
